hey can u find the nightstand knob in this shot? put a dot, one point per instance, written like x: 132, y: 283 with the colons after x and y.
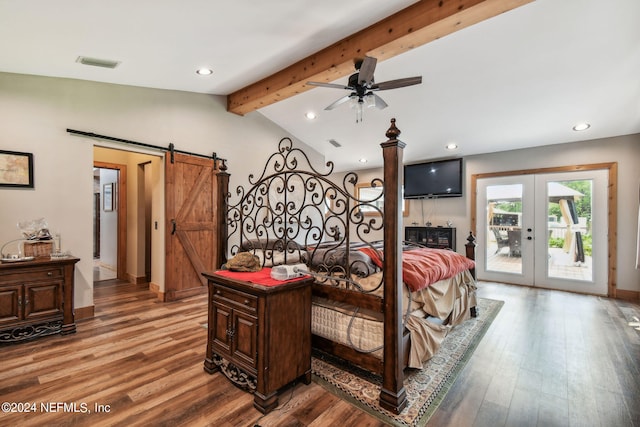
x: 218, y: 292
x: 246, y: 302
x: 49, y: 273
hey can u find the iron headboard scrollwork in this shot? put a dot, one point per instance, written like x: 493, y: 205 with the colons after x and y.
x: 293, y: 213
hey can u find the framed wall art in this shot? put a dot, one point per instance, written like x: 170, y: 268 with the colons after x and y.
x: 16, y: 169
x: 107, y: 197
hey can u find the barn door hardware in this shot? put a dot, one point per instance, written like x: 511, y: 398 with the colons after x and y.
x: 171, y: 149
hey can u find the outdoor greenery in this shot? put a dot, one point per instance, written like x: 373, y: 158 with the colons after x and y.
x: 558, y: 242
x: 583, y: 204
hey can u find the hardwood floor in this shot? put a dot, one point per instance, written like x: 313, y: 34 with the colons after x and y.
x: 550, y: 358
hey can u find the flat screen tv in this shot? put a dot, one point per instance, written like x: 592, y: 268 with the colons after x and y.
x: 442, y: 178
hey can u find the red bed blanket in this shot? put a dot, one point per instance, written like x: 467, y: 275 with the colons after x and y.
x: 424, y: 266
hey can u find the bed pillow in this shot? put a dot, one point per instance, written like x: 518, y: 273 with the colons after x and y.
x: 271, y: 244
x: 270, y: 258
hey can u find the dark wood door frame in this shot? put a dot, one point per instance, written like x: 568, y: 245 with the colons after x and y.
x: 121, y: 200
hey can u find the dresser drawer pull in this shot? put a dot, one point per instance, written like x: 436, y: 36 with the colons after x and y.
x: 49, y: 273
x: 246, y: 302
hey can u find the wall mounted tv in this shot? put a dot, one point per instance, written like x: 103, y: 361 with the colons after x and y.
x: 442, y: 178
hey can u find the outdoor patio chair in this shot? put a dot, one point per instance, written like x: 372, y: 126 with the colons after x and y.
x: 514, y: 242
x: 501, y: 239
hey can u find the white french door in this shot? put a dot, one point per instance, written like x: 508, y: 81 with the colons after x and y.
x: 547, y: 230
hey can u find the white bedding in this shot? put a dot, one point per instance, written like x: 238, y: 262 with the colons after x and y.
x: 447, y: 300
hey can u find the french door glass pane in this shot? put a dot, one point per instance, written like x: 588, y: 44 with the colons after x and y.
x: 569, y: 229
x: 504, y: 219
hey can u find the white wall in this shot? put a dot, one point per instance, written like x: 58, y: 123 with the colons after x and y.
x: 36, y: 111
x: 109, y: 220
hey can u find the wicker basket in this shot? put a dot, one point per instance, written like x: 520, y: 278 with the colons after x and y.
x: 38, y: 249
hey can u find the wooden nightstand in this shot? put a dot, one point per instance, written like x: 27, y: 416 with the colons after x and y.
x: 36, y: 298
x: 259, y: 336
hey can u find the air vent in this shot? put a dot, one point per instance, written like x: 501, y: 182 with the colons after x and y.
x: 95, y: 62
x: 335, y: 143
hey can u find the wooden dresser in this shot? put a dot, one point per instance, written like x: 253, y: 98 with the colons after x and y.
x: 36, y: 298
x: 259, y: 336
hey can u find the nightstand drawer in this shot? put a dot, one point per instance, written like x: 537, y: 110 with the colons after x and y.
x: 226, y: 295
x: 32, y: 275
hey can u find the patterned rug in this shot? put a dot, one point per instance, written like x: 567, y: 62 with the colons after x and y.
x: 425, y: 388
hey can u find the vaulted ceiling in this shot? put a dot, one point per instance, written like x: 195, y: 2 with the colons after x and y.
x: 492, y: 81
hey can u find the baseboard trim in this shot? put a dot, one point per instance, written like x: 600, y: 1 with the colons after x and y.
x: 136, y: 280
x: 155, y: 288
x: 85, y: 312
x: 628, y: 295
x: 174, y: 295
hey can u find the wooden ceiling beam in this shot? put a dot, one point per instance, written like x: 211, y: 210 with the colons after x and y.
x: 420, y: 23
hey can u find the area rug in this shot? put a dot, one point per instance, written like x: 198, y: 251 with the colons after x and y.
x: 425, y: 388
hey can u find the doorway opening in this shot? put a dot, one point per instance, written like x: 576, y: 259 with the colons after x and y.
x: 548, y: 228
x: 109, y: 221
x: 128, y: 207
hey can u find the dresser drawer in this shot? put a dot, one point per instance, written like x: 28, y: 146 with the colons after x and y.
x: 32, y: 275
x: 237, y: 298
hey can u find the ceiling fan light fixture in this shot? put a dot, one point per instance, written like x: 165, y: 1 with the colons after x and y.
x: 361, y: 84
x: 370, y: 100
x: 358, y: 105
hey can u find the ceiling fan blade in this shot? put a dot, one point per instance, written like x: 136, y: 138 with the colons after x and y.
x: 338, y: 102
x: 365, y: 74
x: 380, y: 104
x: 393, y: 84
x: 331, y: 85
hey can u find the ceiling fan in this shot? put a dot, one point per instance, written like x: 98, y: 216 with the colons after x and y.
x: 362, y: 87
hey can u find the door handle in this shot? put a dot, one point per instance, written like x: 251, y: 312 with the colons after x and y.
x: 173, y: 227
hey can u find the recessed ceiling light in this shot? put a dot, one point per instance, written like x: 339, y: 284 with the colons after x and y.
x: 581, y: 126
x: 310, y: 115
x: 451, y: 146
x: 204, y: 71
x: 363, y: 160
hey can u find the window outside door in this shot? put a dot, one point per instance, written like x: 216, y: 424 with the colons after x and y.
x: 547, y: 230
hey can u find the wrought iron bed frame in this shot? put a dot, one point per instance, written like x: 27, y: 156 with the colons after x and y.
x: 291, y: 205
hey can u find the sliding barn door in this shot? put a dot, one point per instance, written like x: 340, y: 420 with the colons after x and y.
x: 191, y: 234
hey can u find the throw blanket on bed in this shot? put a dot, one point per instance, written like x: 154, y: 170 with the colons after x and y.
x: 424, y: 266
